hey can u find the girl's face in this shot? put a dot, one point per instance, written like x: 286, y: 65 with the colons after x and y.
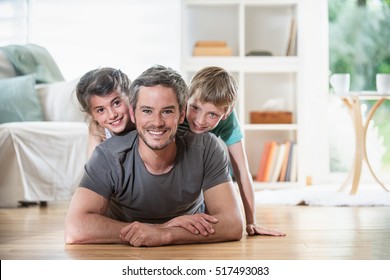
x: 111, y: 112
x: 203, y: 117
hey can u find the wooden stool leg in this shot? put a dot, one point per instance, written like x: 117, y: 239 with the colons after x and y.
x: 359, y: 144
x: 369, y: 117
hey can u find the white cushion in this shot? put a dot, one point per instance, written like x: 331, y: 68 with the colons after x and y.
x: 59, y: 101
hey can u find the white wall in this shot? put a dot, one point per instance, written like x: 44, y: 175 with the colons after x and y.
x: 130, y: 35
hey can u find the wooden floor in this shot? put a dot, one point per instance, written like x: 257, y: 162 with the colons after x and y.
x: 313, y: 233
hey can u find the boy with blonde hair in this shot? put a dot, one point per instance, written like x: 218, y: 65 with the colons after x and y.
x: 212, y: 95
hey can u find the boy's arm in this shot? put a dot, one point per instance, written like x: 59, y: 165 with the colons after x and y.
x: 221, y: 203
x: 244, y: 180
x: 86, y: 221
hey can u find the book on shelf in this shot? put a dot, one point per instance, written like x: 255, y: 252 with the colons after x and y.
x: 282, y: 177
x: 263, y: 160
x: 210, y: 44
x: 212, y: 48
x: 294, y: 164
x: 278, y: 163
x: 270, y: 161
x: 273, y: 162
x: 288, y: 167
x: 291, y: 47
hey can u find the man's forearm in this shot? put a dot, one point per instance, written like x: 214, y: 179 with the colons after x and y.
x: 92, y: 228
x: 224, y: 230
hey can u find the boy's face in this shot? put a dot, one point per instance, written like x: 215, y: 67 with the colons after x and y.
x: 203, y: 117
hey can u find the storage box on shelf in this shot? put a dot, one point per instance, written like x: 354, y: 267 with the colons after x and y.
x: 265, y: 61
x: 270, y: 117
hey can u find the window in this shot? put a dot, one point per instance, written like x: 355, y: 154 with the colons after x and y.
x: 14, y: 19
x: 359, y: 40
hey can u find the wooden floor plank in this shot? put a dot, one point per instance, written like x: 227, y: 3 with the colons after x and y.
x: 313, y: 233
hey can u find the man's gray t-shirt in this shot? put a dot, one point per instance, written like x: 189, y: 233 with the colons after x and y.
x: 116, y: 171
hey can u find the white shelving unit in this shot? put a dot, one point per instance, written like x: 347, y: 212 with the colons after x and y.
x: 254, y: 25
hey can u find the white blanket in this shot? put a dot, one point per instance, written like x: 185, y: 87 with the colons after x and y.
x: 41, y: 161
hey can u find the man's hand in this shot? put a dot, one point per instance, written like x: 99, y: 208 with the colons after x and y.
x: 254, y: 229
x: 197, y: 223
x: 139, y: 234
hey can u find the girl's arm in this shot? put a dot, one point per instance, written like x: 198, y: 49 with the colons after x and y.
x: 245, y: 183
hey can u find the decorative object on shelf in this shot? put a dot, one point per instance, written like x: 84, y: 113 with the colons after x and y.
x: 383, y: 83
x: 268, y: 117
x: 259, y: 53
x: 340, y: 83
x: 272, y: 112
x: 212, y: 48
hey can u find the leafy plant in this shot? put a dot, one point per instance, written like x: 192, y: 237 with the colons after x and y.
x: 359, y: 41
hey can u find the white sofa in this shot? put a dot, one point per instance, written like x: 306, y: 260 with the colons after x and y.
x: 40, y: 160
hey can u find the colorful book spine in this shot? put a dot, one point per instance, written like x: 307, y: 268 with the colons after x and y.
x: 270, y: 161
x: 294, y: 164
x: 282, y: 177
x: 263, y: 161
x: 278, y: 163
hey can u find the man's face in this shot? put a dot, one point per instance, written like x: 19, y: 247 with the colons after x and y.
x: 157, y: 116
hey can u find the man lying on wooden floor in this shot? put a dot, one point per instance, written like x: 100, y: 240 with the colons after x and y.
x: 157, y: 185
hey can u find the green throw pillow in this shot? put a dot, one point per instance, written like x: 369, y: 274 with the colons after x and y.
x: 18, y: 100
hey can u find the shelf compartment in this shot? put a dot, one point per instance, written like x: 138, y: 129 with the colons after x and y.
x: 254, y: 144
x: 266, y: 20
x: 210, y: 22
x: 269, y: 91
